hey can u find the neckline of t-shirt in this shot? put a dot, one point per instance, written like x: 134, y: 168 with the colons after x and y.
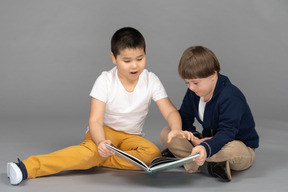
x: 117, y: 77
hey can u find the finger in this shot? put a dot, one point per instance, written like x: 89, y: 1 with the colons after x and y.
x: 188, y: 136
x: 184, y: 135
x: 171, y: 135
x: 112, y: 152
x: 181, y: 135
x: 169, y: 139
x: 191, y: 136
x: 107, y: 153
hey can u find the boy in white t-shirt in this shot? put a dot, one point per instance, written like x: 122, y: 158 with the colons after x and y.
x: 119, y: 104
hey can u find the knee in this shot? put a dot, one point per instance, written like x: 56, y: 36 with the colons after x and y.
x: 240, y: 156
x: 149, y: 153
x: 88, y: 152
x: 237, y: 149
x: 240, y: 163
x: 155, y: 152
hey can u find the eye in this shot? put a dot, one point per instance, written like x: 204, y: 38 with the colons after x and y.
x: 139, y: 59
x: 126, y: 61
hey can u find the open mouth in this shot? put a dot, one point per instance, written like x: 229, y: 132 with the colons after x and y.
x: 133, y: 73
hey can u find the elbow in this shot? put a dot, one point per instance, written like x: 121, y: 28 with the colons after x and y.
x: 172, y: 113
x: 92, y: 123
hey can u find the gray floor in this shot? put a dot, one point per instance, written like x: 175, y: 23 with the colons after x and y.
x: 24, y: 137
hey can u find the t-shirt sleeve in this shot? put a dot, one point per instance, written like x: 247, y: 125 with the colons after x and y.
x: 158, y: 91
x: 100, y: 88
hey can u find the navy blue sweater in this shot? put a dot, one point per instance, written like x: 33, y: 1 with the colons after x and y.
x: 227, y: 117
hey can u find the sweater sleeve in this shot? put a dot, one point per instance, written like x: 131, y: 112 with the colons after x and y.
x: 230, y: 112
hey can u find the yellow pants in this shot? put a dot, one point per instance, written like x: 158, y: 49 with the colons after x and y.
x: 85, y: 155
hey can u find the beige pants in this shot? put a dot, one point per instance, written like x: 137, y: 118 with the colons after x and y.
x: 236, y: 152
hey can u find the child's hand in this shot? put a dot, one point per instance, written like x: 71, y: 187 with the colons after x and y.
x: 202, y: 152
x: 180, y: 134
x: 103, y: 150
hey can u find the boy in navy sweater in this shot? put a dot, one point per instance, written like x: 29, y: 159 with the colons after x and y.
x: 228, y: 138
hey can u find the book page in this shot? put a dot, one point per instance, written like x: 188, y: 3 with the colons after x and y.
x: 172, y: 164
x: 162, y: 160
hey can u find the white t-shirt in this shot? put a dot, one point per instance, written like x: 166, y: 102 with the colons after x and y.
x: 126, y: 111
x: 201, y: 107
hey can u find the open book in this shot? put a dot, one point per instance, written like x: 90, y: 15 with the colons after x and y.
x: 157, y: 164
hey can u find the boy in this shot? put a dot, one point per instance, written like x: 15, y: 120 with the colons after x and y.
x: 119, y: 104
x: 229, y: 138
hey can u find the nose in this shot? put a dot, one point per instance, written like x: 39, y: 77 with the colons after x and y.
x: 191, y: 86
x: 134, y: 64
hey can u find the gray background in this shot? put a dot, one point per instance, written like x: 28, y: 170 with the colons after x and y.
x: 52, y: 51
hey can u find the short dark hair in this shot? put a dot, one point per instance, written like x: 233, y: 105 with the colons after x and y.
x: 198, y: 62
x: 127, y: 37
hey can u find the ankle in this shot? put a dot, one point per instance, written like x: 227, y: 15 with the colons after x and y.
x: 204, y: 168
x: 23, y: 169
x: 221, y: 170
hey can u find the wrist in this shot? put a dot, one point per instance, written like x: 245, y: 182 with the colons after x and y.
x: 174, y: 128
x: 99, y: 142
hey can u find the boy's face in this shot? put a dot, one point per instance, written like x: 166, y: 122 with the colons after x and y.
x: 130, y: 63
x: 203, y: 87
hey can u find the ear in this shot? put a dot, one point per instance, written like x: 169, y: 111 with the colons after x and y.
x: 214, y: 76
x: 113, y: 58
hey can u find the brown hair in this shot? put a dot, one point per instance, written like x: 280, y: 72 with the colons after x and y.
x: 198, y: 62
